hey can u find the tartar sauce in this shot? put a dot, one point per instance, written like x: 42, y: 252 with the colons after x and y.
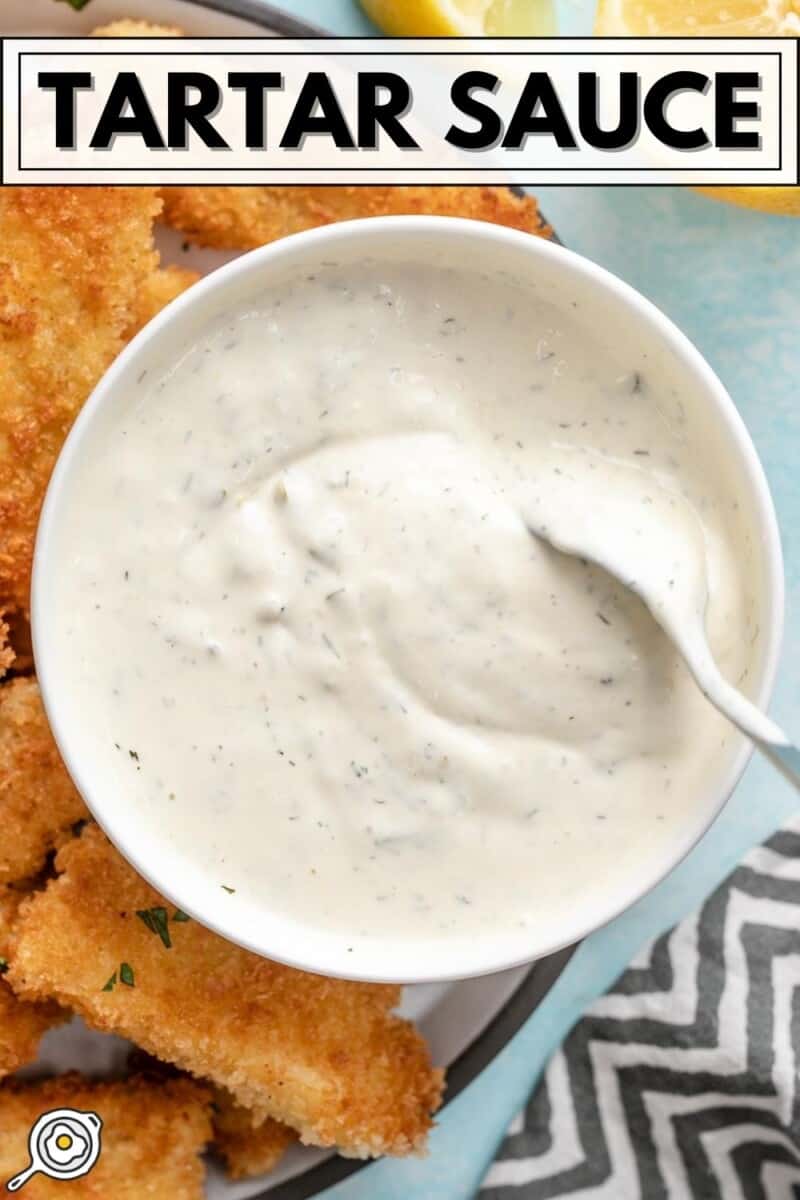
x: 320, y: 650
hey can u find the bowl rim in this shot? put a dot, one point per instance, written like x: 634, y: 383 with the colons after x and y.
x: 400, y: 965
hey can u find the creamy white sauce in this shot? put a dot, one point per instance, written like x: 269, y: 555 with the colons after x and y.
x: 319, y: 650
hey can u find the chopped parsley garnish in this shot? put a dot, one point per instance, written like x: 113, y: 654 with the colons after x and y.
x: 77, y: 4
x: 156, y: 921
x: 180, y: 916
x: 225, y: 888
x: 125, y: 976
x: 3, y: 965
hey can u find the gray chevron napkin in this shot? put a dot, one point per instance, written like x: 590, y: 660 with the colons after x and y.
x: 681, y: 1083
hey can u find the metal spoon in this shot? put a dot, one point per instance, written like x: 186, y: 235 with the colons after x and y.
x: 649, y: 538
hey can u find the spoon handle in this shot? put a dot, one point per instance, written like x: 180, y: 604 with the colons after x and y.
x: 768, y: 737
x: 785, y: 758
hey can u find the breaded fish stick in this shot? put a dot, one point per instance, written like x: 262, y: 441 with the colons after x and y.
x: 7, y: 654
x: 22, y: 1024
x: 18, y: 643
x: 38, y: 800
x: 247, y: 1149
x: 158, y: 290
x: 72, y: 262
x: 246, y: 1144
x: 325, y: 1056
x: 151, y: 1138
x: 241, y: 218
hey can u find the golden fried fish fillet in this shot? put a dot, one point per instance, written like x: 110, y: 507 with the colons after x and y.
x: 324, y: 1056
x: 72, y: 263
x: 158, y: 290
x: 38, y: 801
x: 165, y: 284
x: 15, y: 638
x: 241, y: 218
x: 22, y: 1024
x: 151, y: 1139
x: 7, y: 654
x: 246, y: 1144
x: 247, y: 1147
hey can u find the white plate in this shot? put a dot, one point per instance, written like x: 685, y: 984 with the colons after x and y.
x: 466, y: 1024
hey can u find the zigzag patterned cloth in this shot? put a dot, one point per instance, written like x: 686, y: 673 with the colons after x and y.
x: 682, y: 1082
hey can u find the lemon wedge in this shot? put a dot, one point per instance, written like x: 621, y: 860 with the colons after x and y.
x: 710, y: 18
x: 782, y: 200
x: 462, y: 18
x: 698, y: 18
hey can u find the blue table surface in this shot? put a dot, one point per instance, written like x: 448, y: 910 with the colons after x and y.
x: 729, y: 278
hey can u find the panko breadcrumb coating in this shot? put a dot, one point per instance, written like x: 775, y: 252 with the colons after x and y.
x: 38, y: 801
x: 241, y: 218
x: 248, y: 1147
x: 157, y: 291
x: 7, y: 655
x: 72, y: 264
x: 324, y: 1056
x: 22, y: 1025
x: 151, y: 1139
x: 19, y: 641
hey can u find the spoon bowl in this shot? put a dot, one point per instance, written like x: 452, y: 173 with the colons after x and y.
x: 653, y: 544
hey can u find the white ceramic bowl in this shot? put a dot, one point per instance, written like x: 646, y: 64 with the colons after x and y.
x: 618, y: 314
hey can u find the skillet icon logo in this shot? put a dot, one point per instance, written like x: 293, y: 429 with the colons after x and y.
x: 63, y: 1144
